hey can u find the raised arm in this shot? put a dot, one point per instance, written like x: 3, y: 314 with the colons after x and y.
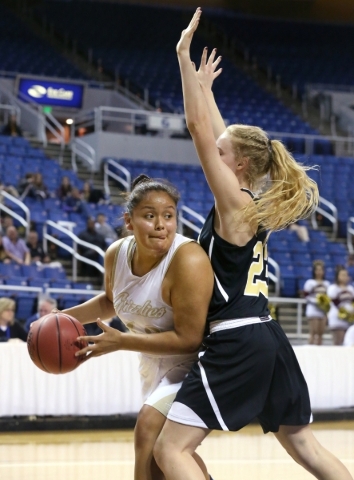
x: 206, y: 74
x: 220, y: 177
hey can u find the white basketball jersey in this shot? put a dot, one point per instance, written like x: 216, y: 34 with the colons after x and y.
x: 138, y: 300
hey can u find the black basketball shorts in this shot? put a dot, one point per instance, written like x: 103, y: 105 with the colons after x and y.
x: 244, y: 373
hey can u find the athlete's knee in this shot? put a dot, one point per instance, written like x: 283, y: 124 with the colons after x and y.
x: 147, y: 429
x: 161, y: 451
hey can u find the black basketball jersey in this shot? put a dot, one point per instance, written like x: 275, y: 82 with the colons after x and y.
x: 240, y: 275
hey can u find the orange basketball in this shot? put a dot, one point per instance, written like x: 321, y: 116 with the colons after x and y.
x: 52, y: 343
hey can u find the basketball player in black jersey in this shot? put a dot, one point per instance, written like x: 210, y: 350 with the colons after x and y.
x: 248, y: 368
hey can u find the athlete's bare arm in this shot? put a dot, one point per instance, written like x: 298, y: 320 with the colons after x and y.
x: 187, y: 288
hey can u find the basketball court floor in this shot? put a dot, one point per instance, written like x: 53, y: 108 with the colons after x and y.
x: 108, y: 455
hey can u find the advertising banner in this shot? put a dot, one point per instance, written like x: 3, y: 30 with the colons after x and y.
x: 54, y: 93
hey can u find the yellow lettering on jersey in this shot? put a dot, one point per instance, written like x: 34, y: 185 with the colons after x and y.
x: 256, y: 286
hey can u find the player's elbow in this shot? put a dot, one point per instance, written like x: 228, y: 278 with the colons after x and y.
x: 192, y: 343
x: 196, y: 123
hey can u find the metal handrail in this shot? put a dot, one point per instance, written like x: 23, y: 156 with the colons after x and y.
x: 350, y: 234
x: 274, y: 277
x: 58, y: 128
x: 108, y: 173
x: 183, y: 221
x: 89, y: 157
x: 299, y: 303
x: 333, y: 218
x: 72, y: 291
x: 25, y: 222
x: 36, y: 122
x: 72, y: 250
x: 12, y: 108
x: 44, y: 119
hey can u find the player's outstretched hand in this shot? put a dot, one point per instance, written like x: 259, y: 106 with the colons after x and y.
x: 208, y: 72
x: 108, y: 341
x: 186, y: 36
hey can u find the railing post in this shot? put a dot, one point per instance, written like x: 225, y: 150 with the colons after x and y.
x: 75, y: 262
x: 299, y: 319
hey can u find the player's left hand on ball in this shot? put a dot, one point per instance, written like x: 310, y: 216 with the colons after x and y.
x: 108, y: 341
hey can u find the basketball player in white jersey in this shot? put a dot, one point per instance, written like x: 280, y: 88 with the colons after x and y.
x: 316, y: 316
x: 159, y: 283
x: 247, y: 369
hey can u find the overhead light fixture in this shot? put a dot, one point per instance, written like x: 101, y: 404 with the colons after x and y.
x: 69, y: 121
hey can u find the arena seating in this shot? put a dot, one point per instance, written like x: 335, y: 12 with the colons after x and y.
x: 293, y: 256
x: 299, y: 52
x: 23, y: 52
x: 151, y: 64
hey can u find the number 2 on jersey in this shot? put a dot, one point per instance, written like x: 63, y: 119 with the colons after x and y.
x: 254, y: 285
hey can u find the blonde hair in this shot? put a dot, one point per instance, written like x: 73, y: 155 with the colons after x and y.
x: 6, y: 303
x: 291, y: 195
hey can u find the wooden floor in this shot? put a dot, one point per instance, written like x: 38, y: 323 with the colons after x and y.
x: 108, y: 455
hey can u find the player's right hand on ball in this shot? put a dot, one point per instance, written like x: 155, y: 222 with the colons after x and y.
x: 108, y: 341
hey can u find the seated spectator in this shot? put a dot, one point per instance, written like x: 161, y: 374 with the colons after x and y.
x: 25, y: 184
x: 91, y: 236
x: 35, y: 248
x: 8, y: 189
x: 32, y: 186
x: 38, y: 255
x: 92, y: 195
x: 45, y: 306
x: 12, y: 128
x: 15, y: 247
x: 342, y: 306
x: 3, y: 255
x: 9, y: 327
x: 105, y: 229
x: 39, y: 189
x: 65, y: 188
x: 349, y: 337
x: 74, y: 203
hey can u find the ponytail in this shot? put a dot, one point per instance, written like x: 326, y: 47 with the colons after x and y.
x: 291, y: 196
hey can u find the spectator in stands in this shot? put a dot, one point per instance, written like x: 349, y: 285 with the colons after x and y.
x: 9, y: 327
x: 39, y: 189
x: 36, y: 250
x: 9, y: 189
x: 32, y: 186
x: 15, y: 248
x: 45, y: 306
x: 38, y: 255
x: 75, y: 204
x: 349, y: 337
x: 342, y: 308
x: 12, y: 128
x: 103, y: 228
x: 65, y: 188
x: 7, y: 221
x: 92, y: 195
x: 3, y: 255
x: 318, y: 302
x: 25, y: 184
x: 91, y: 236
